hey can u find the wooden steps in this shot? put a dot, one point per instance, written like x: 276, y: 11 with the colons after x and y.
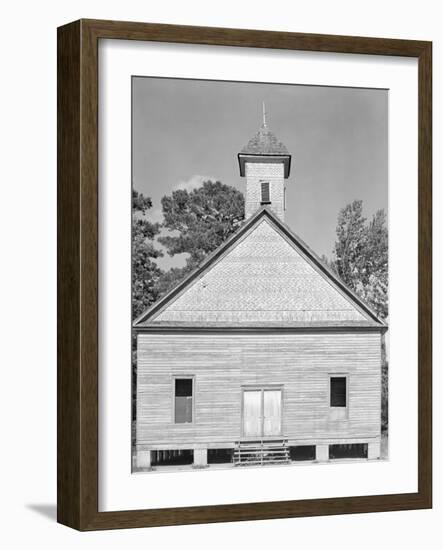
x: 261, y: 452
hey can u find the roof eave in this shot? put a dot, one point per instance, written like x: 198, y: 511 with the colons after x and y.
x: 265, y: 327
x: 261, y: 157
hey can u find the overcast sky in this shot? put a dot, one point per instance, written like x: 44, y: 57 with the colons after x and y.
x: 185, y: 131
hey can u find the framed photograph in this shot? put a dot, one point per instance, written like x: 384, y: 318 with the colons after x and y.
x: 244, y: 275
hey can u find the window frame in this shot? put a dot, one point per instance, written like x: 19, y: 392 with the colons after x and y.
x: 338, y: 413
x: 263, y: 202
x: 183, y: 377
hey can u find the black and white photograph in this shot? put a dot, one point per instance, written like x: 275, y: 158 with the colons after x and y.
x: 221, y: 219
x: 259, y: 274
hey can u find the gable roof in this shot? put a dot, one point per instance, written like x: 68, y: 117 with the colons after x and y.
x: 262, y: 276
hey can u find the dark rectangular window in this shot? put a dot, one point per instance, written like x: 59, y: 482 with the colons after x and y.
x: 183, y: 400
x: 172, y: 457
x: 351, y: 450
x: 338, y: 391
x: 302, y: 452
x: 220, y: 456
x: 265, y: 195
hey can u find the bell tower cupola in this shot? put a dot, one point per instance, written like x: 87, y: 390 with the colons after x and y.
x: 265, y: 163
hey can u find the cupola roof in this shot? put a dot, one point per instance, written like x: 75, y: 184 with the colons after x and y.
x: 264, y: 142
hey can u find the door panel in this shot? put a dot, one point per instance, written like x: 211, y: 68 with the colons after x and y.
x: 262, y: 411
x: 252, y: 420
x: 272, y: 412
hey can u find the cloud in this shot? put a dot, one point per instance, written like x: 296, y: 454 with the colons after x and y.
x: 193, y: 182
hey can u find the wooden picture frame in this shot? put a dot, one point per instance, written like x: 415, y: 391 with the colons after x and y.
x: 77, y: 456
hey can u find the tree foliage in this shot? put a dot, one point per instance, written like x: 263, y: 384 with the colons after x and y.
x: 198, y: 222
x: 360, y: 255
x: 145, y: 271
x: 170, y: 278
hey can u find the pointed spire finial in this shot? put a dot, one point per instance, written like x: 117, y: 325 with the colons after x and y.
x: 264, y: 115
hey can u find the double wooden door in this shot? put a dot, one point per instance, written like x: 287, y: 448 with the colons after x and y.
x: 262, y: 411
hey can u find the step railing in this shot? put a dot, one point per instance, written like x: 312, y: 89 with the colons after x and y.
x: 261, y: 452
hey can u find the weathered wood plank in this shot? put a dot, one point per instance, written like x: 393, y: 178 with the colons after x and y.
x: 222, y: 364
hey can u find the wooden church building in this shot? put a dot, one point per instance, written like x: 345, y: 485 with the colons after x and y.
x: 262, y: 355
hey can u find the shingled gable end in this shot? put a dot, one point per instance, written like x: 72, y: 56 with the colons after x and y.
x: 262, y: 355
x: 263, y: 276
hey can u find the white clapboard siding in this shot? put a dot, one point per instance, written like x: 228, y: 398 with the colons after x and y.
x: 223, y: 363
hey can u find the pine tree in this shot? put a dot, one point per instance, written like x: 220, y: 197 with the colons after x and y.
x: 198, y: 222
